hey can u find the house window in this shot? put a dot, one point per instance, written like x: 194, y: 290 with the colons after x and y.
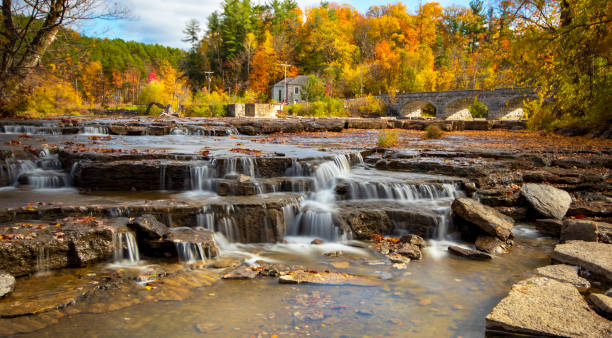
x: 297, y: 90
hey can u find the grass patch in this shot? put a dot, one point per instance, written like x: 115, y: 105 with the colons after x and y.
x: 387, y: 139
x: 433, y: 131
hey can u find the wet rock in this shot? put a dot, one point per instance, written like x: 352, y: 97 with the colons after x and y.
x: 242, y: 272
x: 243, y: 178
x: 326, y: 278
x: 413, y: 239
x: 469, y: 253
x: 340, y: 265
x: 366, y: 218
x: 549, y: 226
x: 547, y: 200
x: 199, y: 237
x: 591, y: 256
x: 491, y: 245
x: 585, y: 230
x: 484, y: 217
x: 333, y: 253
x: 75, y: 243
x: 591, y: 209
x: 564, y: 273
x: 410, y: 250
x: 148, y: 227
x: 316, y: 242
x: 224, y: 262
x: 7, y: 283
x: 397, y: 258
x: 545, y: 307
x: 602, y: 304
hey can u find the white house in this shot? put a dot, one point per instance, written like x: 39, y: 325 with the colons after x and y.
x: 294, y: 87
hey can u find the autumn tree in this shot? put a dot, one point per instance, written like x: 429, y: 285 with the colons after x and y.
x: 27, y: 30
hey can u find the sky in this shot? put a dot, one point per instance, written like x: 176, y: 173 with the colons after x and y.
x: 162, y: 21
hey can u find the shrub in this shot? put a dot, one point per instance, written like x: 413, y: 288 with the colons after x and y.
x: 327, y: 107
x: 387, y: 139
x: 433, y: 131
x: 368, y: 105
x: 478, y: 109
x: 208, y: 104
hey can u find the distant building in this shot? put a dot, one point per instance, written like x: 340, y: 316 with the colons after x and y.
x: 294, y: 86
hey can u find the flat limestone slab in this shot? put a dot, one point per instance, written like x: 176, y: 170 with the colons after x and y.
x: 564, y: 273
x: 545, y: 307
x: 592, y: 256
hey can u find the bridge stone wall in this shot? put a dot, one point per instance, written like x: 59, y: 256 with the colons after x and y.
x: 501, y: 102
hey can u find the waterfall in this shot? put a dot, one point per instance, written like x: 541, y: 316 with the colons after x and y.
x: 223, y: 224
x: 296, y: 169
x: 43, y: 262
x: 201, y: 177
x: 45, y: 129
x: 125, y: 249
x: 315, y: 213
x: 189, y: 253
x: 397, y: 191
x: 94, y: 130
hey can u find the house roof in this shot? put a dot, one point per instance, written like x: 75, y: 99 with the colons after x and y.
x: 295, y: 81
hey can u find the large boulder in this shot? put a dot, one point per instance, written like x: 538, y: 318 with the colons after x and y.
x: 484, y: 217
x: 7, y: 283
x: 546, y: 200
x: 585, y: 230
x: 591, y: 256
x: 542, y: 306
x: 148, y: 227
x: 564, y: 273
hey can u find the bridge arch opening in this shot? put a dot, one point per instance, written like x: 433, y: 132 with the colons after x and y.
x: 513, y: 109
x: 468, y: 108
x: 418, y: 109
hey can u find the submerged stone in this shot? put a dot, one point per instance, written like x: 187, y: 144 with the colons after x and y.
x: 242, y: 272
x: 326, y: 278
x: 545, y: 307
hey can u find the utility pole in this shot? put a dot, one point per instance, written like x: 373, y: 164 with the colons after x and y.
x: 361, y: 83
x: 286, y: 90
x: 208, y: 75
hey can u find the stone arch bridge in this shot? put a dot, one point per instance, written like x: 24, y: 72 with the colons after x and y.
x: 503, y: 103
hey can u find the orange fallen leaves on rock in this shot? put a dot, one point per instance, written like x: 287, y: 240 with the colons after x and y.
x: 251, y: 152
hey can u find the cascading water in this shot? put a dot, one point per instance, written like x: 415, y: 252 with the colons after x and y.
x: 43, y: 261
x: 315, y: 216
x: 189, y: 253
x: 45, y: 129
x: 125, y: 248
x: 397, y: 191
x: 223, y: 223
x: 202, y: 177
x: 94, y: 130
x: 44, y: 173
